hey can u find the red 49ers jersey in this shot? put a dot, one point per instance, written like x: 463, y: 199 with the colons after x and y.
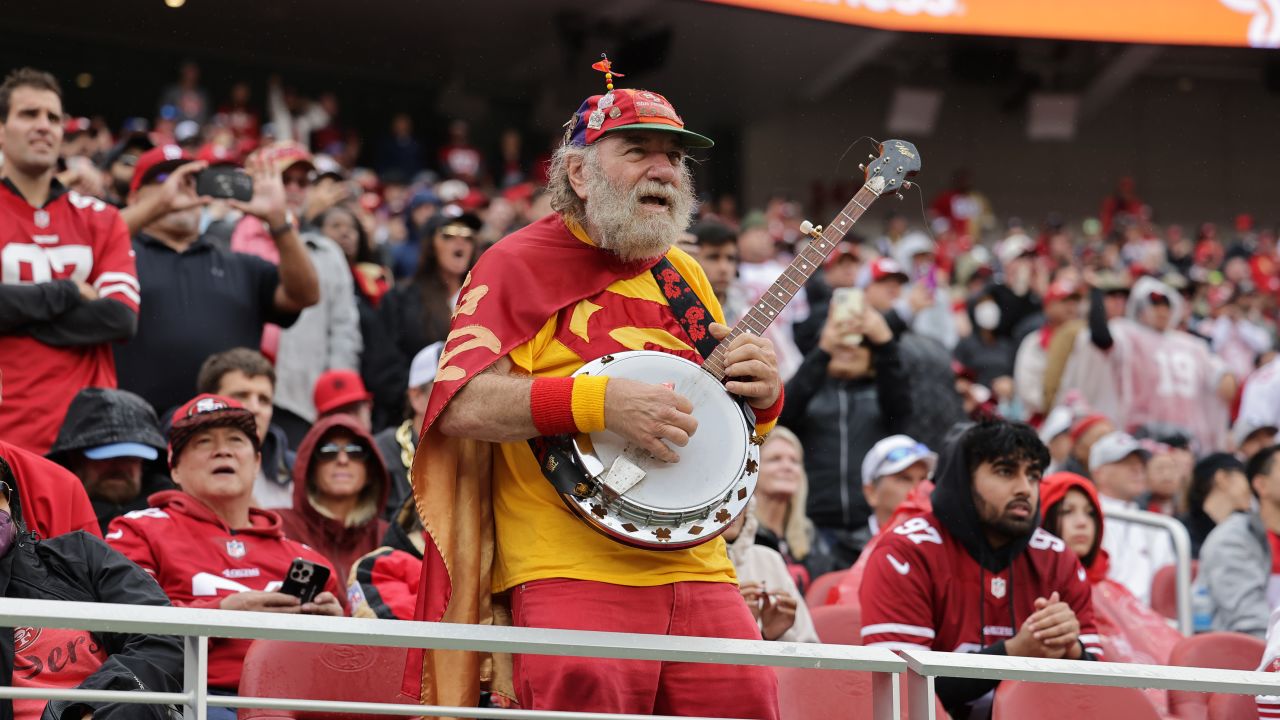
x: 72, y: 237
x: 922, y: 590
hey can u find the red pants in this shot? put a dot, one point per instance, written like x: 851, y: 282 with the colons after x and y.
x: 645, y: 687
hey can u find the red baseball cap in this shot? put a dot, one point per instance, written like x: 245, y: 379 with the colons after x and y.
x: 1061, y: 290
x: 336, y: 388
x: 206, y: 411
x: 157, y: 160
x: 1084, y: 423
x: 629, y: 109
x: 883, y: 268
x: 283, y: 155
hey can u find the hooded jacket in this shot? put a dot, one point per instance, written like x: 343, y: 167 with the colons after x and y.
x: 56, y: 502
x: 81, y: 568
x: 1129, y: 631
x: 199, y: 561
x: 341, y: 542
x: 755, y: 563
x: 102, y: 416
x: 935, y: 583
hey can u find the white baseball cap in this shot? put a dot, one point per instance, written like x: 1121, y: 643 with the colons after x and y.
x: 893, y: 455
x: 1114, y: 447
x: 1057, y: 422
x: 423, y: 368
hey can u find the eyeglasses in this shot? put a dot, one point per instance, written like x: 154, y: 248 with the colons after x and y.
x: 465, y: 234
x: 330, y: 451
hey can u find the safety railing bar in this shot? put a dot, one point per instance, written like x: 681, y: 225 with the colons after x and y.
x: 141, y: 697
x: 1181, y: 553
x: 1083, y: 672
x: 104, y: 617
x: 422, y: 710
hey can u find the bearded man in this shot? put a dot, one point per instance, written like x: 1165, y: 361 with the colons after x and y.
x: 575, y: 286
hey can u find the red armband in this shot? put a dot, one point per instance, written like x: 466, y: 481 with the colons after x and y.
x: 551, y: 404
x: 771, y: 413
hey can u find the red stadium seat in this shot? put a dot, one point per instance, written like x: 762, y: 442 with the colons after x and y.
x: 812, y: 694
x: 1232, y: 707
x: 1051, y: 701
x: 1228, y: 651
x: 354, y: 673
x: 816, y: 596
x: 1164, y: 589
x: 838, y: 624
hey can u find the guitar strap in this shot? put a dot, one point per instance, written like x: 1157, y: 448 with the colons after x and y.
x: 553, y: 454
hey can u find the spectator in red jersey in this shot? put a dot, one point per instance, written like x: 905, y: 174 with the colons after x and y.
x: 206, y: 545
x: 247, y: 377
x: 201, y: 299
x: 342, y: 392
x: 1123, y: 204
x: 68, y: 283
x: 75, y: 567
x: 55, y: 501
x: 1032, y: 598
x: 340, y: 487
x: 459, y: 158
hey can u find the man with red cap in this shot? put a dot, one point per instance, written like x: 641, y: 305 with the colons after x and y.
x: 201, y: 299
x: 342, y: 392
x: 205, y: 544
x: 621, y: 188
x: 68, y: 282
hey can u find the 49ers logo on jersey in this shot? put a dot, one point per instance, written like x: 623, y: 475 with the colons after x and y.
x: 23, y: 637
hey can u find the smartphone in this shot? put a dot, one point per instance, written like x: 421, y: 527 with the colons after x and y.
x: 305, y: 580
x: 847, y: 304
x: 224, y: 182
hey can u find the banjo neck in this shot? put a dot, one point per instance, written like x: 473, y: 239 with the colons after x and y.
x: 810, y: 258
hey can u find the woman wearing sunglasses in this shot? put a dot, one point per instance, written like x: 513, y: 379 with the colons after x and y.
x: 340, y: 485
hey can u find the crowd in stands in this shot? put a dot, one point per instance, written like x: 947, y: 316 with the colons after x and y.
x: 215, y: 387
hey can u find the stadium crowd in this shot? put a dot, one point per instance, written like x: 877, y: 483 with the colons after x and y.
x: 210, y: 387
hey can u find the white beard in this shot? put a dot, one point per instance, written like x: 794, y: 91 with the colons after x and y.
x: 623, y: 227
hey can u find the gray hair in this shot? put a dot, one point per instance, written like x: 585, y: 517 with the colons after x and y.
x: 564, y: 199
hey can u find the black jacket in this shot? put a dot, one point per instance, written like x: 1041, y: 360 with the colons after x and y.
x: 838, y: 421
x: 101, y: 416
x: 78, y: 567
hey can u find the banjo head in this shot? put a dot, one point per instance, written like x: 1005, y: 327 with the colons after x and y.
x: 676, y: 505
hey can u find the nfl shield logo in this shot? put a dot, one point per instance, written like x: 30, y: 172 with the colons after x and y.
x: 235, y: 549
x: 997, y: 587
x: 41, y: 219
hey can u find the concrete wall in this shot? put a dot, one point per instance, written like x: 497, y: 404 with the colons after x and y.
x: 1204, y: 152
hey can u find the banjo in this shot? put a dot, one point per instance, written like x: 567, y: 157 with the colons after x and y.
x: 625, y: 493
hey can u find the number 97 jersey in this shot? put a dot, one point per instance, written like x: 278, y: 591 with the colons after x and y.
x: 922, y: 590
x: 73, y: 237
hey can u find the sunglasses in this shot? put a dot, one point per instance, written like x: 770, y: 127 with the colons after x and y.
x: 465, y: 234
x: 919, y: 450
x: 330, y: 451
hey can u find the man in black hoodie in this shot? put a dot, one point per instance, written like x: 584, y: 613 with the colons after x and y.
x: 111, y: 440
x: 976, y: 574
x: 76, y: 567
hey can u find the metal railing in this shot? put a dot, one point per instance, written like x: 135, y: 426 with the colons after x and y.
x: 1181, y: 553
x: 921, y: 667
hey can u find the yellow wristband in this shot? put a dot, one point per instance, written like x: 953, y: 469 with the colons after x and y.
x: 588, y: 402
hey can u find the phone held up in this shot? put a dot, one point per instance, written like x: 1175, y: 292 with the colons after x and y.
x: 847, y: 304
x: 305, y: 580
x: 226, y: 183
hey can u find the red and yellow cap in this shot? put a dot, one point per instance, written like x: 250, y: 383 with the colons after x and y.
x: 629, y: 109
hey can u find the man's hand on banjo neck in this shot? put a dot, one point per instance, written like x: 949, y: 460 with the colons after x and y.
x: 494, y: 406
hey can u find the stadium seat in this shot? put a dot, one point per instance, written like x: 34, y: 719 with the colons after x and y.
x: 805, y: 694
x: 838, y: 624
x: 1228, y: 651
x: 1051, y: 701
x: 1164, y: 589
x: 822, y: 586
x: 1223, y: 706
x: 354, y: 673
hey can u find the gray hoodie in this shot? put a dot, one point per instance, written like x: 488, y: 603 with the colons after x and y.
x: 1235, y: 567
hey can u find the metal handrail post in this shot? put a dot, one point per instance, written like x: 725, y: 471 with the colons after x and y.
x: 921, y: 694
x: 886, y: 698
x: 1181, y: 553
x: 195, y: 677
